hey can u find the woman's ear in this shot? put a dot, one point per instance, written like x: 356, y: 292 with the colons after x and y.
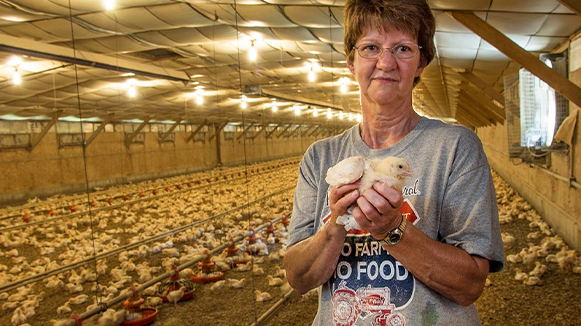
x: 350, y: 65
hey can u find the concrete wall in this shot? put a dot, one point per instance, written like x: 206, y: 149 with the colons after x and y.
x: 554, y: 192
x: 49, y: 170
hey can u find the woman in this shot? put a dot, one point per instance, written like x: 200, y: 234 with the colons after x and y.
x: 423, y: 256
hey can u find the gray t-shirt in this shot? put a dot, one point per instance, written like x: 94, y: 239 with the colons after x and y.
x: 450, y: 197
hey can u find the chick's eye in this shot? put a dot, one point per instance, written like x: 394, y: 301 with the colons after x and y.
x: 400, y: 166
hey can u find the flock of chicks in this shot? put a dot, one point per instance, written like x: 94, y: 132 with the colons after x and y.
x: 543, y: 246
x: 127, y: 237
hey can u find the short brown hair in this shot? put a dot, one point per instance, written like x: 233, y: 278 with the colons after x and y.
x: 409, y: 16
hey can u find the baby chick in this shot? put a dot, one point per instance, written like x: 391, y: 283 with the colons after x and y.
x: 392, y: 171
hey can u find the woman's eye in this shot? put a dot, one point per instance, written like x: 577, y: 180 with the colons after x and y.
x: 370, y: 48
x: 403, y: 48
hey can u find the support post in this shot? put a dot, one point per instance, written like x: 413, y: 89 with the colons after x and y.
x: 45, y: 130
x: 283, y: 131
x: 195, y: 132
x: 272, y: 131
x: 96, y: 133
x: 167, y: 133
x: 531, y: 63
x: 130, y: 138
x: 245, y: 131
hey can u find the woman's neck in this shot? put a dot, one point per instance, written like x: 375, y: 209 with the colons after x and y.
x: 380, y: 129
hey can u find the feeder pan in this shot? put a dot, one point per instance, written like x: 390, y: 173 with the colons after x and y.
x: 176, y: 283
x: 211, y: 277
x: 134, y: 314
x: 148, y: 317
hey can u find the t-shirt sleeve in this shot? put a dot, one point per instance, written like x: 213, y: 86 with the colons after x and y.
x: 470, y: 211
x: 302, y: 224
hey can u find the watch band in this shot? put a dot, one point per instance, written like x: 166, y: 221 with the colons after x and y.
x: 395, y: 235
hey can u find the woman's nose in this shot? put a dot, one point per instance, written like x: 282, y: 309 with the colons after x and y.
x: 386, y: 61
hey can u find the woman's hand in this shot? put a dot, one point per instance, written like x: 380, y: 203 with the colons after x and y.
x: 341, y: 197
x: 377, y: 211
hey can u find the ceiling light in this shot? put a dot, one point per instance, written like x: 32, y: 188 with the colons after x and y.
x: 199, y: 100
x: 109, y: 4
x: 243, y: 103
x: 315, y: 112
x: 312, y: 76
x: 329, y: 113
x: 274, y: 106
x: 297, y: 110
x: 16, y: 78
x: 131, y: 91
x: 252, y: 52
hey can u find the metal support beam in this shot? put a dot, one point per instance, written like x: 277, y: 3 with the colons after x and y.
x: 313, y: 132
x: 294, y: 132
x: 245, y: 131
x: 483, y: 106
x: 193, y: 134
x: 318, y: 131
x: 18, y: 45
x: 130, y: 138
x: 531, y: 63
x: 96, y: 133
x: 283, y: 131
x: 167, y: 133
x: 480, y: 97
x: 262, y: 128
x: 218, y: 130
x: 304, y: 133
x: 573, y: 5
x: 468, y: 111
x: 268, y: 134
x: 480, y: 84
x: 45, y: 130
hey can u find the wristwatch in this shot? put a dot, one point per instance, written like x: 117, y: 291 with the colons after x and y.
x: 395, y: 236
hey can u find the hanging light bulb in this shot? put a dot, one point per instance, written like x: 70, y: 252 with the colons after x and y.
x: 274, y: 106
x: 243, y: 103
x: 344, y: 85
x: 315, y: 112
x: 199, y: 96
x: 312, y: 76
x: 131, y: 91
x: 109, y: 4
x: 297, y: 110
x: 252, y: 52
x: 16, y: 78
x: 329, y: 114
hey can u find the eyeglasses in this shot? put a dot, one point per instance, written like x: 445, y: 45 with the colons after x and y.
x: 400, y: 51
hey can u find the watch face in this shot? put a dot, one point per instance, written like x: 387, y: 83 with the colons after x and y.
x: 394, y: 238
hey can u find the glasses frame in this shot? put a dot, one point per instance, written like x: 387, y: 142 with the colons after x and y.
x: 391, y: 49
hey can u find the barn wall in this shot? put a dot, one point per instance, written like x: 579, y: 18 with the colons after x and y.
x: 548, y: 190
x: 48, y: 170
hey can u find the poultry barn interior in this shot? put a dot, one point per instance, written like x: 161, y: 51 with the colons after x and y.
x: 149, y: 150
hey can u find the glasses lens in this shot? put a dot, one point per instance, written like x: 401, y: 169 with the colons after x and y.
x: 369, y: 51
x: 405, y: 50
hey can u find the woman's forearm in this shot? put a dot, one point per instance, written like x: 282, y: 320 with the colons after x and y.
x: 312, y: 262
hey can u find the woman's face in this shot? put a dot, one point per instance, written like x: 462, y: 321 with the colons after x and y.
x: 386, y: 80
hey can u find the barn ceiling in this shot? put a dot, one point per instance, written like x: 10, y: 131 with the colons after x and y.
x: 80, y: 58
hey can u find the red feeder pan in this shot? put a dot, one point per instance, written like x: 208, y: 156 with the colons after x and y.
x: 149, y: 315
x: 217, y: 277
x: 187, y: 296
